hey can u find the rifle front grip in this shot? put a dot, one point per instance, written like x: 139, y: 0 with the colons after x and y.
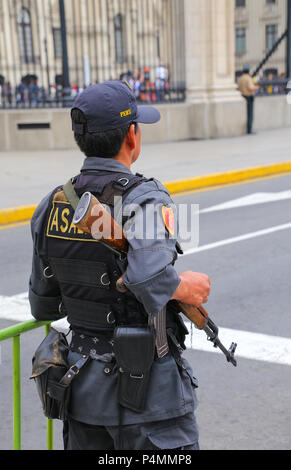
x: 196, y: 315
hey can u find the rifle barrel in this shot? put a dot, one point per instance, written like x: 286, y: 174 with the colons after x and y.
x: 212, y: 335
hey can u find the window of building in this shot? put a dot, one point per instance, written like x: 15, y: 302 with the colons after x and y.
x: 240, y: 3
x: 25, y: 36
x: 270, y: 2
x: 271, y: 35
x: 240, y: 41
x: 119, y: 38
x: 58, y: 46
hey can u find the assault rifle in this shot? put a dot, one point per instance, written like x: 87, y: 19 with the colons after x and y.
x: 91, y: 217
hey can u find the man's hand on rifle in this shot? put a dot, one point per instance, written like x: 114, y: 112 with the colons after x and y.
x: 193, y: 289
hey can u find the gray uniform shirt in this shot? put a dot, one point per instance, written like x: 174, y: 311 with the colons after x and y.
x: 152, y: 278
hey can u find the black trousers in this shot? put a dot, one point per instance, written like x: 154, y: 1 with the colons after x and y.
x: 179, y: 433
x: 250, y: 111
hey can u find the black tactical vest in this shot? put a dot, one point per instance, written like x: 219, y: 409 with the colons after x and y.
x: 87, y: 270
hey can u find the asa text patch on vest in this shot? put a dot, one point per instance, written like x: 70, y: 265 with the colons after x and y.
x: 60, y: 224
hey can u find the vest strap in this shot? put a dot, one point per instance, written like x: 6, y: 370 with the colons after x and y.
x: 74, y: 370
x: 71, y: 194
x: 91, y: 315
x: 81, y: 272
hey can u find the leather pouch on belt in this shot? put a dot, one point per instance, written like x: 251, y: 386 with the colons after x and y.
x: 52, y: 374
x: 134, y: 349
x: 49, y: 365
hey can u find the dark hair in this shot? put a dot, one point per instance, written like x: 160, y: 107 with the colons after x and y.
x: 98, y: 144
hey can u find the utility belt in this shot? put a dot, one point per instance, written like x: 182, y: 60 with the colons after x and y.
x: 132, y: 349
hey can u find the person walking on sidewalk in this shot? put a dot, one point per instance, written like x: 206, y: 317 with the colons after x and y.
x: 76, y: 277
x: 247, y: 88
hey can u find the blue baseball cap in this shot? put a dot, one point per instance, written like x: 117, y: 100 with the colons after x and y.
x: 111, y: 105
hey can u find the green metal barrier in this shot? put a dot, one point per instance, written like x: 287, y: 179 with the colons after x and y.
x: 14, y: 332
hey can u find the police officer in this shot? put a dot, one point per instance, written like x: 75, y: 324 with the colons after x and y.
x: 74, y: 276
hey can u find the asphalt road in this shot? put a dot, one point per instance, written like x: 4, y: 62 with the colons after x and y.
x: 247, y: 407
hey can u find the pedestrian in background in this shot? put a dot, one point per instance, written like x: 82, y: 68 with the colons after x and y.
x: 247, y: 88
x: 20, y: 93
x: 7, y: 93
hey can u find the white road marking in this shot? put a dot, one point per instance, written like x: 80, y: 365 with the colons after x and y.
x: 254, y: 346
x: 250, y: 200
x: 229, y: 241
x: 17, y: 309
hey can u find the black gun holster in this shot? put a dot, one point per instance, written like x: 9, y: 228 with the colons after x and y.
x: 134, y: 349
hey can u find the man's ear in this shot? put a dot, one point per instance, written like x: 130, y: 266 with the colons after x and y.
x: 131, y: 137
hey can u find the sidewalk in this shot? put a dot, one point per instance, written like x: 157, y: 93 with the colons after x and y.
x: 29, y: 176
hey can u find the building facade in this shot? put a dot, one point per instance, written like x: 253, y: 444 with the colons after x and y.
x: 105, y: 39
x: 186, y: 44
x: 258, y: 25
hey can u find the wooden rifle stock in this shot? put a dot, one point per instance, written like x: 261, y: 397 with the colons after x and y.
x: 96, y: 221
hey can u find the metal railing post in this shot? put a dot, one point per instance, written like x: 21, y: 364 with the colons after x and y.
x: 50, y: 423
x: 16, y: 394
x: 15, y: 332
x: 50, y: 434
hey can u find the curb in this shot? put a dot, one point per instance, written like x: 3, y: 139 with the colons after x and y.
x: 24, y: 213
x: 16, y: 214
x: 218, y: 179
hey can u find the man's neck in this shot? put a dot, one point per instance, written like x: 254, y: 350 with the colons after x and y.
x: 124, y: 159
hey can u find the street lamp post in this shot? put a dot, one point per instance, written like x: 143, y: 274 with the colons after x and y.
x: 47, y: 67
x: 66, y: 75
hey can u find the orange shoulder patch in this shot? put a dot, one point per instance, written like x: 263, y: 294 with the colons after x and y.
x: 169, y: 219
